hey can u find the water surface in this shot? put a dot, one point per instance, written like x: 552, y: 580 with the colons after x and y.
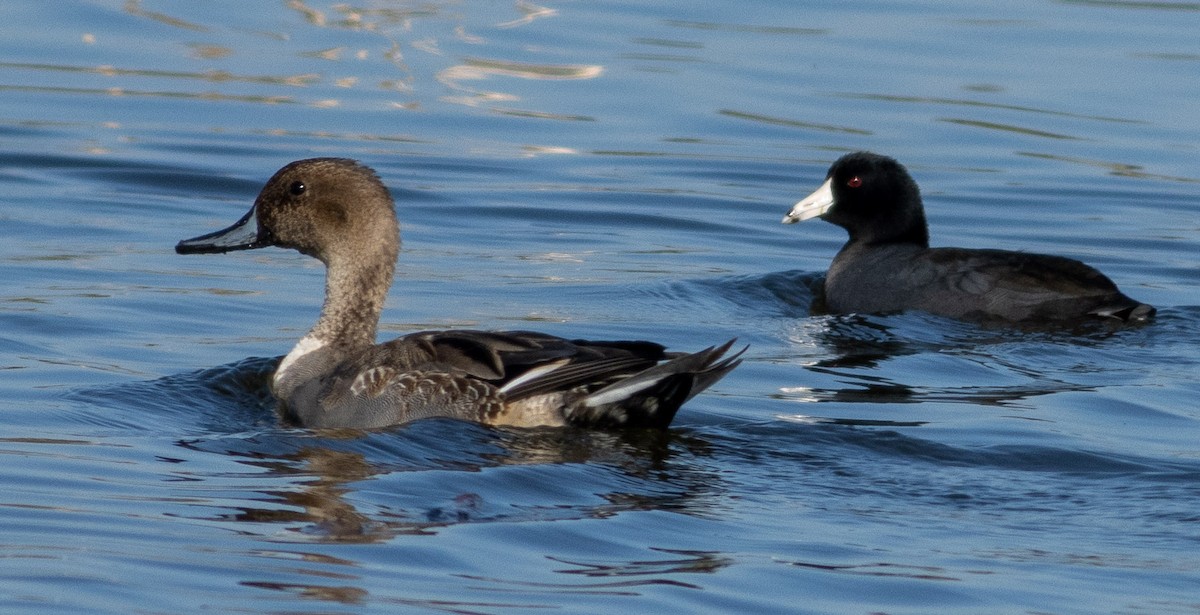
x: 610, y: 171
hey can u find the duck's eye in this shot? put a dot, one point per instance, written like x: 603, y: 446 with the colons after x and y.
x: 853, y: 182
x: 297, y: 188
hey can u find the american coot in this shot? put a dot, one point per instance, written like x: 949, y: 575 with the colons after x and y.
x: 339, y: 212
x: 888, y: 266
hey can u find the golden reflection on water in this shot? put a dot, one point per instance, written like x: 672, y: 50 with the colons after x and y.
x: 134, y: 7
x: 216, y: 76
x: 478, y: 69
x: 426, y: 28
x: 116, y: 91
x: 529, y: 12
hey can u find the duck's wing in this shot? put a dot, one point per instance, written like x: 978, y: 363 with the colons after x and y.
x: 518, y: 378
x: 501, y: 357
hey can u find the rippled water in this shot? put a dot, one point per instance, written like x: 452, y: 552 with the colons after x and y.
x: 598, y: 170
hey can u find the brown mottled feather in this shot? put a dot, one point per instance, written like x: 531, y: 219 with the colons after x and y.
x: 339, y: 212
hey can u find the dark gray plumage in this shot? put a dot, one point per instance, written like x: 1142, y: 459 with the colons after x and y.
x: 888, y: 266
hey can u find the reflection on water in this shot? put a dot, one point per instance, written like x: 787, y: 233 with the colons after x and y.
x: 354, y: 488
x: 389, y: 34
x: 755, y: 117
x: 1116, y: 168
x: 529, y: 12
x: 733, y: 27
x: 886, y: 361
x: 112, y: 71
x: 899, y: 463
x: 890, y: 569
x: 477, y: 69
x: 134, y: 7
x: 320, y: 469
x: 1032, y: 132
x: 963, y: 102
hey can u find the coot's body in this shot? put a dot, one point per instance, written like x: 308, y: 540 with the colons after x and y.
x: 888, y: 266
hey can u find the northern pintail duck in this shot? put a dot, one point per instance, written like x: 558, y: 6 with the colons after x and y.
x: 888, y: 266
x: 338, y: 211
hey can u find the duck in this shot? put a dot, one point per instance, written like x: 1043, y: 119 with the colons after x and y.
x: 338, y: 211
x: 887, y: 266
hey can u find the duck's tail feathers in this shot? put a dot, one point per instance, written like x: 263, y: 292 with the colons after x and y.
x: 651, y: 398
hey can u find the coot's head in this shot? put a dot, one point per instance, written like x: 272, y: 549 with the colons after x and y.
x: 871, y: 196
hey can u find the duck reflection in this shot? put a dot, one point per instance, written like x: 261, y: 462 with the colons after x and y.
x: 352, y: 486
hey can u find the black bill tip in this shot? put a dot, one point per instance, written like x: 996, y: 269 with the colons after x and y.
x: 242, y: 235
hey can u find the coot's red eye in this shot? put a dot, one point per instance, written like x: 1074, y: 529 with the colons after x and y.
x: 854, y: 182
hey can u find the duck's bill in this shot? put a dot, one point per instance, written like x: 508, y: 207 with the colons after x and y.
x: 243, y: 235
x: 813, y: 205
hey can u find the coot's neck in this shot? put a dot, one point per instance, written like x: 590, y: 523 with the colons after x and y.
x: 913, y: 232
x: 903, y: 223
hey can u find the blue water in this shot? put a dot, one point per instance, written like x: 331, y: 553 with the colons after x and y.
x: 598, y: 170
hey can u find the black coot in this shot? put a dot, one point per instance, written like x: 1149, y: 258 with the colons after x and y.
x: 888, y: 266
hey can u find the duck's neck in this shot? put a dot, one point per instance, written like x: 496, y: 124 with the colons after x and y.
x: 354, y: 294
